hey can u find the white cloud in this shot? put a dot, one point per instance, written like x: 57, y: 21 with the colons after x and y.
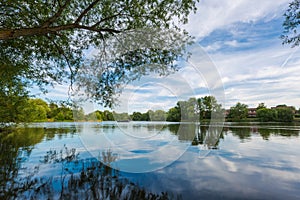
x: 254, y: 77
x: 215, y: 14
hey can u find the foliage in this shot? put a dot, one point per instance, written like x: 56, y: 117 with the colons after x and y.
x: 121, y: 116
x: 44, y: 41
x: 107, y: 116
x: 285, y: 114
x: 188, y: 110
x: 13, y: 98
x: 261, y: 106
x: 195, y: 109
x: 157, y: 115
x: 137, y: 116
x: 238, y: 112
x: 280, y: 113
x: 208, y: 105
x: 64, y: 113
x: 174, y: 115
x: 291, y: 24
x: 267, y: 115
x: 37, y: 110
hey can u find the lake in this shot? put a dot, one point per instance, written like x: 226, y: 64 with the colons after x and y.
x: 153, y: 160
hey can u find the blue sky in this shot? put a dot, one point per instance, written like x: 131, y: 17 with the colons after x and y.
x: 242, y: 40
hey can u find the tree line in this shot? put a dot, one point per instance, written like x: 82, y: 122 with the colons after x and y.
x: 192, y: 110
x: 38, y: 110
x: 280, y: 113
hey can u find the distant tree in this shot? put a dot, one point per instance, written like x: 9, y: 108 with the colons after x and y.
x: 238, y: 112
x: 285, y: 114
x: 107, y: 116
x: 208, y: 105
x: 120, y: 116
x: 99, y: 115
x: 37, y: 110
x: 64, y: 113
x: 79, y: 115
x: 267, y: 115
x: 260, y: 106
x: 158, y: 115
x: 188, y: 110
x: 136, y: 116
x: 53, y: 110
x: 173, y: 115
x: 145, y: 116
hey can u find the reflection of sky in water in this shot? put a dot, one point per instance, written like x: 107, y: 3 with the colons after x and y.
x: 246, y: 165
x: 256, y: 169
x: 139, y: 147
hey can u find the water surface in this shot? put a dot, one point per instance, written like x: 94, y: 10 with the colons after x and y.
x: 188, y: 161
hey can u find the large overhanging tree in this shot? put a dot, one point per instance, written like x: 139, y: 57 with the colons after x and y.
x: 44, y: 41
x: 291, y: 24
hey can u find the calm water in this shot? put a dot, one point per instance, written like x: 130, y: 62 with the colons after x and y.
x: 185, y: 161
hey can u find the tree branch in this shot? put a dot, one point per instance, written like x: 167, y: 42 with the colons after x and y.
x: 107, y: 18
x: 86, y: 11
x: 16, y: 33
x: 57, y: 15
x: 61, y: 51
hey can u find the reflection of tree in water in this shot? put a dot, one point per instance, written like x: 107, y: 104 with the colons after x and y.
x: 267, y: 132
x: 78, y: 179
x: 205, y: 135
x: 242, y: 133
x: 15, y: 147
x: 245, y: 131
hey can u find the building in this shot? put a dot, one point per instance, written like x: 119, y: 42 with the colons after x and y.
x: 251, y: 112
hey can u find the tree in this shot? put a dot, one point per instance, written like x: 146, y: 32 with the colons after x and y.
x: 13, y: 98
x: 173, y: 114
x: 238, y: 112
x: 267, y: 115
x: 136, y: 116
x: 107, y: 116
x: 291, y: 31
x: 44, y: 41
x: 121, y: 116
x: 145, y: 116
x: 285, y: 114
x: 208, y: 105
x: 78, y: 114
x: 188, y: 109
x: 158, y: 115
x: 261, y: 106
x: 99, y: 115
x: 53, y: 110
x: 64, y: 113
x: 36, y: 110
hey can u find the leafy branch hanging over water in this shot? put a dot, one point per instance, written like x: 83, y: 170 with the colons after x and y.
x: 45, y: 42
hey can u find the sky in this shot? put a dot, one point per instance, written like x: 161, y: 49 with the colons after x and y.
x: 239, y: 57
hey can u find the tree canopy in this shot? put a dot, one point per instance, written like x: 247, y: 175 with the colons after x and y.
x: 291, y: 24
x: 238, y: 112
x: 45, y: 42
